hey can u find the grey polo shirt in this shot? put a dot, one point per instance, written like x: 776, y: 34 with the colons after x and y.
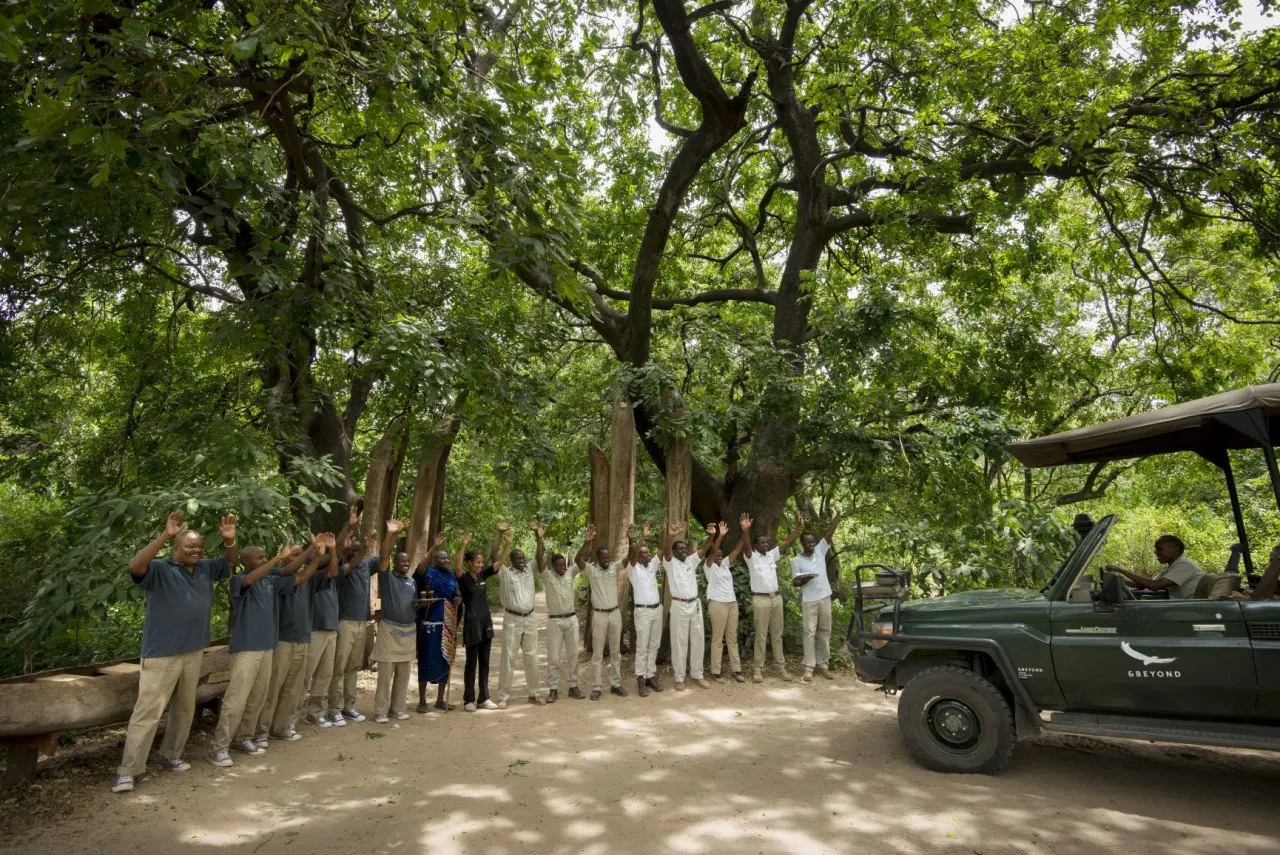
x: 353, y: 590
x: 397, y: 593
x: 178, y: 603
x: 255, y: 618
x: 295, y: 611
x: 324, y: 602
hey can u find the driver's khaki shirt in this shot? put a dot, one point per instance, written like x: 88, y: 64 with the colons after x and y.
x: 1186, y: 576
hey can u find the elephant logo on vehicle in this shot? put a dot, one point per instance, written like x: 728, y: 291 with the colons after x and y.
x: 1144, y: 658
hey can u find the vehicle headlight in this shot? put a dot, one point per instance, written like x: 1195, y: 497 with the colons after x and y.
x: 883, y: 629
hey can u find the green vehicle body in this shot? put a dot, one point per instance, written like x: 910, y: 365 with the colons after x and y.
x: 982, y: 669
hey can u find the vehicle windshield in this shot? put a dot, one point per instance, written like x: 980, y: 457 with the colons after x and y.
x: 1085, y: 557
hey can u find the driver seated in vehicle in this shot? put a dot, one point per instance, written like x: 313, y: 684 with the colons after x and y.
x: 1180, y: 576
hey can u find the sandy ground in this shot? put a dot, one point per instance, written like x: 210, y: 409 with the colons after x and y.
x: 772, y: 768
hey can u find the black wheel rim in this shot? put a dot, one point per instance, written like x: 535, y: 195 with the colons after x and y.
x: 953, y: 725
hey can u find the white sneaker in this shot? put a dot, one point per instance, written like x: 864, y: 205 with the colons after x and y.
x: 319, y: 720
x: 401, y: 716
x: 352, y: 715
x: 290, y: 735
x: 381, y: 719
x: 337, y: 720
x: 248, y: 747
x: 221, y: 759
x: 469, y: 707
x: 123, y: 784
x: 167, y: 765
x: 261, y: 740
x: 488, y: 705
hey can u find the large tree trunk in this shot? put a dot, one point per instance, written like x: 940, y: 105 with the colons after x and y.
x: 375, y: 483
x: 679, y: 497
x: 598, y: 502
x: 430, y: 471
x: 622, y: 474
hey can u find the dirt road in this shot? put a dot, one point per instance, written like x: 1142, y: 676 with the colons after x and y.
x: 774, y: 768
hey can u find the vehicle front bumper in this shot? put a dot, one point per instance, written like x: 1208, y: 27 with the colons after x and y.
x: 872, y: 668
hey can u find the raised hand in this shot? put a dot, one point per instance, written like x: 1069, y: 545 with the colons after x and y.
x: 394, y: 526
x: 353, y: 517
x: 711, y: 529
x: 227, y: 530
x: 745, y: 522
x: 631, y: 531
x: 538, y: 528
x: 438, y: 540
x: 285, y: 550
x: 466, y: 539
x: 678, y: 529
x: 504, y: 527
x: 800, y: 520
x: 328, y: 539
x: 174, y: 524
x: 723, y: 528
x: 591, y: 532
x: 648, y: 529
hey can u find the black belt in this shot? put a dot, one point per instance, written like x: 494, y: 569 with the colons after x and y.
x: 604, y: 611
x: 648, y: 605
x: 518, y: 614
x: 565, y: 615
x: 685, y: 599
x: 758, y: 594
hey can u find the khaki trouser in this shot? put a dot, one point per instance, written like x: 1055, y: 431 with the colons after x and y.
x: 347, y: 656
x: 393, y: 684
x: 817, y: 633
x: 162, y: 678
x: 284, y: 696
x: 518, y: 634
x: 245, y: 696
x: 606, y: 625
x: 319, y: 671
x: 562, y: 645
x: 648, y: 640
x: 768, y: 611
x: 724, y: 632
x: 688, y: 638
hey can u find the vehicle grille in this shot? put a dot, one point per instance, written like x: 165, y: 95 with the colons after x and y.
x: 1265, y: 631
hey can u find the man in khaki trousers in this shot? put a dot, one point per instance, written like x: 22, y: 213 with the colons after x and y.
x: 289, y: 659
x: 767, y: 606
x: 607, y: 579
x: 175, y: 632
x: 722, y: 606
x: 254, y: 621
x: 562, y: 620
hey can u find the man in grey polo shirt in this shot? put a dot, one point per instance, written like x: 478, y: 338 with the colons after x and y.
x: 324, y: 643
x: 289, y: 661
x: 562, y: 619
x: 254, y: 624
x: 397, y: 635
x: 356, y: 567
x: 519, y: 626
x: 175, y: 632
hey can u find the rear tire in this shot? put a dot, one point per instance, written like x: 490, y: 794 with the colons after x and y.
x: 954, y: 720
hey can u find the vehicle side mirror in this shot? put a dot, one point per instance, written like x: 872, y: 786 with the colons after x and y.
x: 1113, y: 591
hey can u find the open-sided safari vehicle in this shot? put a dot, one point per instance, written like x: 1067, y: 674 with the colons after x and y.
x: 979, y: 670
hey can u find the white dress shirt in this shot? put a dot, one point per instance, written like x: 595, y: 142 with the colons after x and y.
x: 764, y: 571
x: 803, y: 565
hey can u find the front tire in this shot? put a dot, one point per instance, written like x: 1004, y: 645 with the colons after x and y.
x: 954, y: 720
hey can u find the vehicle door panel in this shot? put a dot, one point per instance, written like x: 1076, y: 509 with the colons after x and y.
x: 1263, y: 619
x: 1178, y: 657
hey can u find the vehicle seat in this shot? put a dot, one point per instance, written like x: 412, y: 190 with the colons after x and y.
x: 1205, y: 585
x: 1224, y: 585
x: 1082, y: 592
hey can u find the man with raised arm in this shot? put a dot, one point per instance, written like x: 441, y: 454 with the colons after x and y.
x: 809, y: 573
x: 519, y: 626
x: 722, y: 603
x: 289, y: 660
x: 562, y: 619
x: 354, y: 571
x: 766, y: 603
x: 324, y: 642
x: 642, y: 573
x: 175, y: 632
x: 687, y: 628
x: 396, y: 640
x: 254, y: 623
x: 606, y: 578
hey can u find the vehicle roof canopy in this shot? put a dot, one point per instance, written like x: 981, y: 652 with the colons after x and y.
x: 1244, y: 418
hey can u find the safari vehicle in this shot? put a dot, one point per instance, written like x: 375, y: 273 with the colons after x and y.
x: 980, y: 670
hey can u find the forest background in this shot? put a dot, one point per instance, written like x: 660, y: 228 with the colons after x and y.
x: 265, y: 257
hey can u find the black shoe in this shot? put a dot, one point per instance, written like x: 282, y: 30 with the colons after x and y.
x: 618, y: 690
x: 552, y: 695
x: 641, y: 689
x: 575, y: 692
x: 653, y: 684
x: 595, y: 694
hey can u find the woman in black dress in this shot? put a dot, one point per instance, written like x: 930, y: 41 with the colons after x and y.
x: 477, y: 625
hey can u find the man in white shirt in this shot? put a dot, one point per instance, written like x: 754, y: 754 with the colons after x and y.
x: 519, y: 626
x: 606, y: 579
x: 809, y: 573
x: 1181, y: 575
x: 642, y: 573
x: 687, y: 629
x: 722, y: 605
x: 766, y: 603
x: 562, y: 620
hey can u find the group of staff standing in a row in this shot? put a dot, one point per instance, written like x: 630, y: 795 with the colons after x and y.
x: 298, y: 634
